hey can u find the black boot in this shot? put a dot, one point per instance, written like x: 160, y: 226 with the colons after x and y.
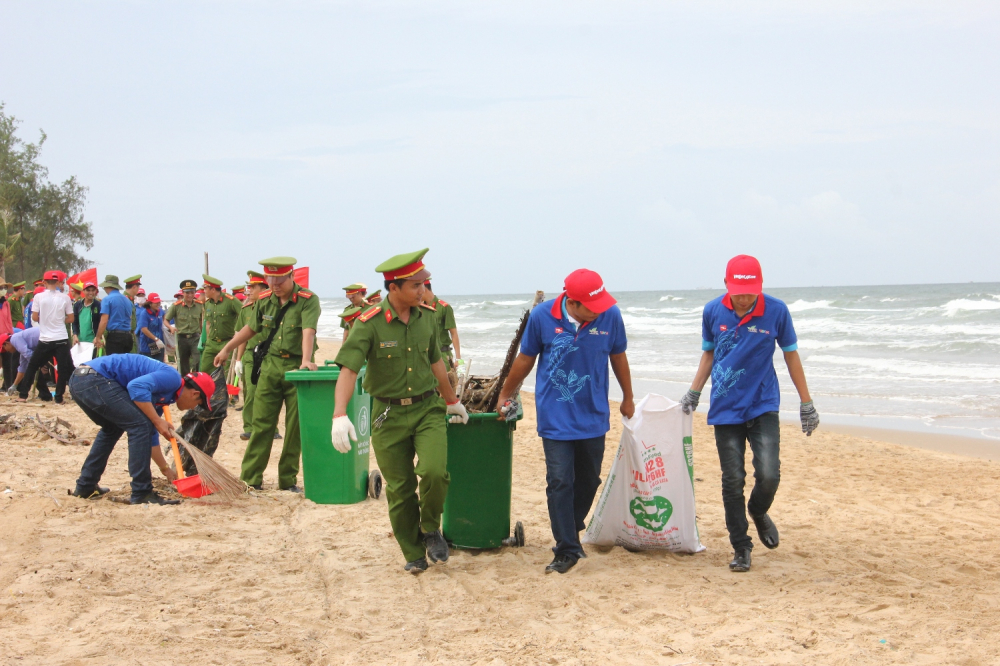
x: 766, y: 530
x: 741, y: 560
x: 437, y: 547
x: 416, y: 566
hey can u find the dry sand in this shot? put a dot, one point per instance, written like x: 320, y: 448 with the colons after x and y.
x: 888, y: 555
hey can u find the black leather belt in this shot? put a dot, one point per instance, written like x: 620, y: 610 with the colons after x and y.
x: 407, y: 401
x: 85, y: 370
x: 283, y: 355
x: 188, y: 335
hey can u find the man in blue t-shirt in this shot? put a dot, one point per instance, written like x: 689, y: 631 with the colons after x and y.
x: 116, y: 319
x: 125, y: 393
x: 739, y: 333
x: 574, y: 337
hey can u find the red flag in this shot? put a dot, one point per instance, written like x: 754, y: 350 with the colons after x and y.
x: 301, y: 277
x: 77, y: 281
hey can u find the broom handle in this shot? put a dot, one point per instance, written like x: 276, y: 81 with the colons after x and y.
x: 173, y: 444
x: 232, y: 367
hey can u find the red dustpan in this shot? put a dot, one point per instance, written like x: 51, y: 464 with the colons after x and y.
x: 188, y: 486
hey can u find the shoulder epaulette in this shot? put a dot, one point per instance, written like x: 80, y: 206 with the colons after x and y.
x: 368, y: 314
x: 429, y: 307
x: 264, y: 294
x: 442, y: 302
x: 229, y: 296
x: 248, y: 304
x: 305, y: 294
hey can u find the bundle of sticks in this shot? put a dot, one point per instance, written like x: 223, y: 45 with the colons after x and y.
x: 479, y: 394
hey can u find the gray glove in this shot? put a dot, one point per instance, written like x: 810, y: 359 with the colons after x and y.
x: 689, y: 402
x: 809, y: 417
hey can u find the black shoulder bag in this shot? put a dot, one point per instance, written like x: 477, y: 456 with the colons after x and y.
x: 260, y: 351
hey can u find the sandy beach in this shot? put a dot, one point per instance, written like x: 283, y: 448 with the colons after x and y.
x: 887, y: 556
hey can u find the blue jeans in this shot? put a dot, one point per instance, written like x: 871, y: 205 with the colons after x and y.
x: 108, y: 404
x: 572, y: 477
x: 764, y: 436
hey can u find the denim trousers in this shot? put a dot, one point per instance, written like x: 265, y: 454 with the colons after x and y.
x: 572, y: 477
x: 108, y: 404
x: 764, y: 435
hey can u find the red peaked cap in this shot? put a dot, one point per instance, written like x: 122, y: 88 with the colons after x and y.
x: 204, y: 383
x: 587, y: 287
x: 153, y: 298
x: 743, y: 276
x: 4, y: 337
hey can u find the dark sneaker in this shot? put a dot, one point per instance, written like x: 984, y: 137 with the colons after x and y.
x: 59, y: 400
x: 766, y: 530
x: 741, y: 561
x: 437, y: 547
x: 93, y: 493
x: 277, y: 435
x: 45, y: 398
x: 416, y: 566
x: 561, y: 564
x: 153, y: 497
x: 292, y: 489
x: 245, y: 436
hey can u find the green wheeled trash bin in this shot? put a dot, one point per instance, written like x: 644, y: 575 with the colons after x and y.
x: 329, y: 476
x: 480, y: 464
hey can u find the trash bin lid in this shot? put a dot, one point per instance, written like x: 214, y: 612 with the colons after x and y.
x: 323, y: 374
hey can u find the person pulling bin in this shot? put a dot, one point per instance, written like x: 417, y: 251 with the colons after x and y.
x: 398, y: 340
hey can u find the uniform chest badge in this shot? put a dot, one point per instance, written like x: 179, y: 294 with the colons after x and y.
x: 268, y: 317
x: 387, y: 344
x: 558, y: 330
x: 723, y: 328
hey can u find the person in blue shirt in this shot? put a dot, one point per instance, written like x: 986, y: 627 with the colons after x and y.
x: 739, y: 333
x: 149, y: 328
x: 24, y: 343
x: 116, y: 319
x: 574, y: 338
x: 125, y: 393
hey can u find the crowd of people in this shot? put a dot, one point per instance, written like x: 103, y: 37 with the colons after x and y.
x: 408, y: 342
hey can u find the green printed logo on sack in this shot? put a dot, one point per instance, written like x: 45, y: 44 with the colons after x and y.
x: 651, y: 514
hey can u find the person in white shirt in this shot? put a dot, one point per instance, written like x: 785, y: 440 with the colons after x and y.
x: 51, y: 311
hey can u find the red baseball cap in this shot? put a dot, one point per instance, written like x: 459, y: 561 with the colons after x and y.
x: 39, y: 289
x: 587, y: 287
x: 203, y: 382
x: 743, y: 276
x: 53, y: 275
x: 90, y: 285
x: 141, y: 292
x: 153, y: 298
x: 4, y: 337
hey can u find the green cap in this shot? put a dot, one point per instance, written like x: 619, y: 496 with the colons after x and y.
x: 351, y: 312
x: 239, y: 287
x: 408, y: 266
x: 18, y: 285
x: 129, y: 281
x: 357, y: 286
x: 256, y: 278
x: 211, y: 281
x: 111, y: 281
x: 278, y: 266
x: 375, y: 293
x: 189, y: 284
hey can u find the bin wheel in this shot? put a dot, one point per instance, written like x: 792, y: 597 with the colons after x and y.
x: 518, y: 539
x: 375, y: 484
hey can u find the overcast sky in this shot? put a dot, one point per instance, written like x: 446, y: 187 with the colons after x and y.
x: 650, y: 141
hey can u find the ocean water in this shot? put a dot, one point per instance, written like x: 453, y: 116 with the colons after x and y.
x: 916, y: 357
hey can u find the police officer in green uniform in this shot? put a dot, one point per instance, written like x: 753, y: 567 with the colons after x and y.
x: 292, y: 347
x: 132, y: 285
x: 16, y: 301
x: 355, y: 293
x: 373, y: 298
x: 186, y: 316
x: 31, y: 294
x: 255, y: 286
x: 398, y: 340
x: 349, y: 316
x: 447, y: 330
x: 221, y: 312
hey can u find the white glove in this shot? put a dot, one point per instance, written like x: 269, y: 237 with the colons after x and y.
x: 460, y: 414
x: 158, y: 344
x: 342, y: 430
x: 239, y: 369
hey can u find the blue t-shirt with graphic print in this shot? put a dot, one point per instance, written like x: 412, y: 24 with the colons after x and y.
x: 744, y: 383
x: 571, y: 378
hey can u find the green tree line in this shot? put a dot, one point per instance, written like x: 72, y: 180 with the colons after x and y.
x: 41, y: 223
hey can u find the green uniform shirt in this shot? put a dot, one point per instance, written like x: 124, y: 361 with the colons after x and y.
x: 399, y: 355
x: 444, y: 316
x: 187, y: 319
x: 245, y: 318
x: 16, y: 311
x: 303, y: 312
x: 221, y: 318
x: 343, y: 324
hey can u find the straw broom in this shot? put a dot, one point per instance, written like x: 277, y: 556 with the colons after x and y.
x: 214, y: 476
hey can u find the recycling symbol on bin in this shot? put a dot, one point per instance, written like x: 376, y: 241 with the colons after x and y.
x: 363, y: 421
x: 653, y: 513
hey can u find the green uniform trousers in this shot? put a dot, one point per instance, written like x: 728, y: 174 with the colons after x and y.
x: 208, y: 357
x: 413, y: 430
x: 188, y: 357
x: 249, y: 391
x: 271, y: 391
